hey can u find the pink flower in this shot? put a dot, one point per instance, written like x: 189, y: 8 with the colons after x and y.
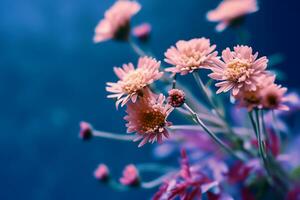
x: 230, y: 10
x: 142, y: 31
x: 102, y: 172
x: 130, y: 176
x: 133, y: 81
x: 253, y: 99
x: 176, y: 97
x: 188, y: 184
x: 241, y: 70
x: 116, y: 21
x: 273, y: 97
x: 86, y: 130
x: 190, y: 55
x: 148, y: 118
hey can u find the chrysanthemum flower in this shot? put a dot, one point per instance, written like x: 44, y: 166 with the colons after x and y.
x: 133, y: 81
x: 130, y: 176
x: 241, y: 70
x: 190, y: 55
x: 253, y: 99
x: 148, y: 118
x: 116, y: 21
x: 273, y: 97
x: 230, y: 10
x: 101, y: 173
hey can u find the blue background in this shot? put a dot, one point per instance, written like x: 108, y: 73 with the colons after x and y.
x: 52, y: 76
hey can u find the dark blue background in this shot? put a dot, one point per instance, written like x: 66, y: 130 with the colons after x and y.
x: 52, y: 76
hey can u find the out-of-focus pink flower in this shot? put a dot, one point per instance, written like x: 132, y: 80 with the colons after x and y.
x: 115, y: 24
x: 187, y: 184
x: 176, y: 98
x: 142, y: 31
x: 102, y: 172
x: 132, y: 81
x: 148, y: 118
x: 273, y: 97
x: 230, y: 10
x: 86, y: 130
x: 130, y: 176
x: 294, y: 193
x: 190, y: 55
x: 241, y: 70
x: 253, y: 99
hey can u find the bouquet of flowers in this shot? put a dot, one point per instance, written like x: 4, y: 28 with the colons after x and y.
x: 232, y: 146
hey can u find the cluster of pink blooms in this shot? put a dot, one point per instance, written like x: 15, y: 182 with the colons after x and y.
x: 239, y: 71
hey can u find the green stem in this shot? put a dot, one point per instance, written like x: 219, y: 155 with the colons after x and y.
x: 211, y: 134
x: 113, y: 136
x: 136, y: 48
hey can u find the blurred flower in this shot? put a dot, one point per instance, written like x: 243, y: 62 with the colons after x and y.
x: 229, y: 11
x: 148, y: 118
x: 86, y: 130
x: 115, y: 24
x: 176, y: 97
x: 190, y: 55
x: 294, y: 193
x: 133, y: 81
x: 102, y: 172
x: 241, y: 70
x: 273, y: 97
x: 130, y: 176
x: 142, y: 31
x: 187, y: 184
x: 253, y: 99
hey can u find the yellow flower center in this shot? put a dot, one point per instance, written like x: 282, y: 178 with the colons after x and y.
x: 192, y: 60
x: 236, y: 69
x: 134, y: 81
x: 152, y: 120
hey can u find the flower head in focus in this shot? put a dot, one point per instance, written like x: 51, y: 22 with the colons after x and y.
x: 230, y: 10
x: 148, y: 118
x: 142, y: 31
x: 273, y: 97
x: 130, y: 176
x: 86, y: 130
x: 115, y: 24
x: 102, y: 172
x: 190, y: 55
x: 132, y: 81
x: 241, y: 70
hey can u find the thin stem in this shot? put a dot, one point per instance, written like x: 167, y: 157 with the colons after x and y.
x: 174, y: 81
x: 156, y: 182
x: 211, y: 134
x: 209, y: 98
x: 256, y: 127
x: 206, y: 93
x: 136, y: 48
x: 152, y: 167
x: 276, y: 129
x: 112, y: 136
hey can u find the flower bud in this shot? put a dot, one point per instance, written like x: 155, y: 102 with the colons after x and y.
x: 101, y: 173
x: 86, y: 131
x: 130, y: 176
x: 142, y: 31
x: 176, y: 97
